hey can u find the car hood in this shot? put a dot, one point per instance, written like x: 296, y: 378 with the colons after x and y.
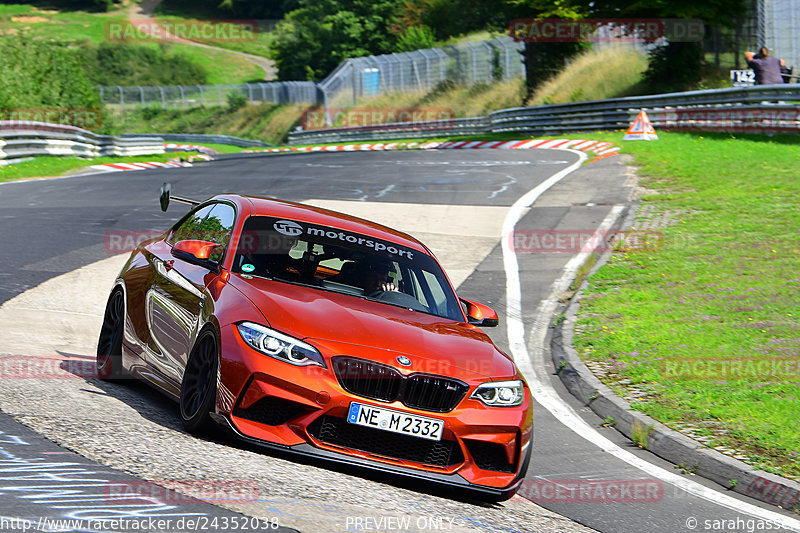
x: 340, y: 324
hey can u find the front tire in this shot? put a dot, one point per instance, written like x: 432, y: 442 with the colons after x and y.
x: 199, y: 384
x: 109, y: 345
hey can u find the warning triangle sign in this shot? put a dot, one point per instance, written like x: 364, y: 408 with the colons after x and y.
x: 641, y: 129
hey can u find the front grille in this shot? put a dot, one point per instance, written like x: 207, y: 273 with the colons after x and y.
x: 272, y: 411
x: 338, y: 432
x: 383, y: 382
x: 368, y: 379
x: 433, y: 393
x: 489, y: 456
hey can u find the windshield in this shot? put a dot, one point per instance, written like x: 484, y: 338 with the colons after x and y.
x: 334, y: 260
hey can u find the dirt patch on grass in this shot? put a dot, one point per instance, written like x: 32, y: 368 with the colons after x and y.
x: 29, y: 18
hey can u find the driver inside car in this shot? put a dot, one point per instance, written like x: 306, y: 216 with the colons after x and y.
x: 373, y: 275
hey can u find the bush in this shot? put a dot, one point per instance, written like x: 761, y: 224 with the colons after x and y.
x: 43, y: 74
x: 674, y: 67
x: 416, y: 38
x: 131, y: 64
x: 236, y: 100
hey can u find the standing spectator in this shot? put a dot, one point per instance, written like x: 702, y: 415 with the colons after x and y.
x: 766, y: 68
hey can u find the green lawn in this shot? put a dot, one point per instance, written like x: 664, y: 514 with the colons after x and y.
x: 705, y: 325
x: 47, y: 166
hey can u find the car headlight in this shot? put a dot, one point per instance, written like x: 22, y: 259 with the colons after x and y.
x: 500, y: 393
x: 280, y: 346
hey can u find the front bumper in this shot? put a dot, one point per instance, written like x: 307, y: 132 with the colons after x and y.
x: 303, y: 410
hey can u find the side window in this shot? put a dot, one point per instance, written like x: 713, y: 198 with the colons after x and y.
x: 217, y: 228
x: 187, y: 228
x: 212, y: 223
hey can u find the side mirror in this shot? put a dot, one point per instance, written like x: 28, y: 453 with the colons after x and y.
x: 480, y: 315
x: 197, y: 252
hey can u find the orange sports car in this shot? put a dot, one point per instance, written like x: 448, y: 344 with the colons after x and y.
x: 319, y: 333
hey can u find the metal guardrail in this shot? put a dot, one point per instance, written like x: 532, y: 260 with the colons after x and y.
x: 773, y: 108
x: 20, y: 139
x: 198, y: 138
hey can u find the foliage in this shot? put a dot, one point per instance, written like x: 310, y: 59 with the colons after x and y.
x: 87, y: 5
x: 135, y: 64
x: 43, y: 74
x: 674, y: 67
x: 415, y: 38
x: 236, y: 100
x: 312, y: 40
x: 448, y: 18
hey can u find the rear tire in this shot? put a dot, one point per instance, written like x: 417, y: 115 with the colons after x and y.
x: 109, y: 345
x: 199, y: 384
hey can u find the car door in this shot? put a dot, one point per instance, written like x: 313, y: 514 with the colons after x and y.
x: 177, y: 296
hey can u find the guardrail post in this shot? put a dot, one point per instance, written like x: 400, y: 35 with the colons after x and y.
x: 202, y: 96
x: 163, y: 98
x: 183, y: 95
x: 121, y: 97
x: 141, y: 94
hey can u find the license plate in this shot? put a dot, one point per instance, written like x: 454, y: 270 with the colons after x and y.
x: 395, y: 421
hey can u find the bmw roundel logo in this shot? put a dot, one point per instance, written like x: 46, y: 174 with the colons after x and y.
x: 403, y: 360
x: 287, y: 227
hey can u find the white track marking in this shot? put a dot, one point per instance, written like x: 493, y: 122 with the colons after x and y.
x: 535, y: 371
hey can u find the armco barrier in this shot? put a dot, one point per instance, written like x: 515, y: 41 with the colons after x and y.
x: 194, y: 138
x: 19, y: 139
x: 764, y: 109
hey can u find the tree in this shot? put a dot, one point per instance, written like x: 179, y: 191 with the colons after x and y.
x: 545, y: 59
x: 312, y: 40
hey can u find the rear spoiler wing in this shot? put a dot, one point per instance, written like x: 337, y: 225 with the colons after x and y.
x: 166, y: 197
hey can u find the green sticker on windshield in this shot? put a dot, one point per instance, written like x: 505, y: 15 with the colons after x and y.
x: 247, y: 267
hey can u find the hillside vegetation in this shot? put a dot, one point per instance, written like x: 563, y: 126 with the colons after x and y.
x: 269, y: 123
x: 595, y: 75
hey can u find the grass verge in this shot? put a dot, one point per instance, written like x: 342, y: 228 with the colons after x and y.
x: 53, y: 166
x: 702, y: 331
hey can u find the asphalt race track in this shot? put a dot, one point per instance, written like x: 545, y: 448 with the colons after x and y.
x: 67, y: 231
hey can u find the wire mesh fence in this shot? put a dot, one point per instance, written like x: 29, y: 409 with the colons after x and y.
x: 287, y: 92
x: 356, y: 78
x: 466, y: 64
x: 781, y: 22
